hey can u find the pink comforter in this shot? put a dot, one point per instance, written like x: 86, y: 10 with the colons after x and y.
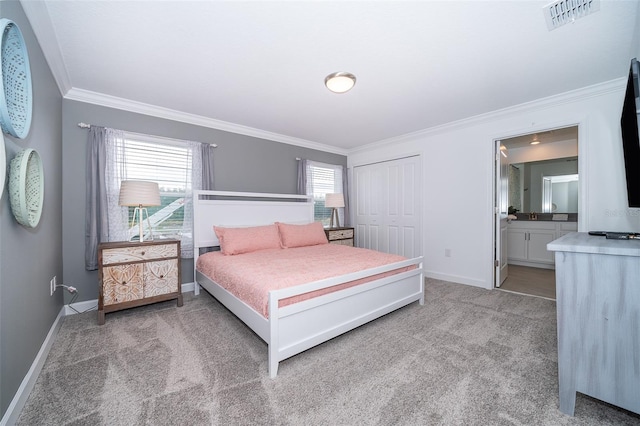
x: 251, y: 276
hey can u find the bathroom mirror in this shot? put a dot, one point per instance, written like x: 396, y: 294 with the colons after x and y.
x: 560, y: 194
x: 548, y: 186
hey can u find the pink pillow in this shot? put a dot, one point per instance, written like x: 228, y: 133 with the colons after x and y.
x: 246, y: 240
x: 301, y: 235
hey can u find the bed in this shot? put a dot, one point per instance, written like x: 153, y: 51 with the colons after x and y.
x: 340, y: 303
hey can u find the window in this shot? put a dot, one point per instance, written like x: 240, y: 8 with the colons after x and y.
x: 174, y: 165
x: 323, y: 179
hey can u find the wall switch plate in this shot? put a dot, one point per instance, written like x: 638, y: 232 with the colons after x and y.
x: 52, y: 286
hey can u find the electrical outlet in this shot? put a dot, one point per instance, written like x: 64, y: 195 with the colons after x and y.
x: 52, y: 285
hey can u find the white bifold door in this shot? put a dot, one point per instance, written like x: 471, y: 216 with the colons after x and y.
x: 387, y: 206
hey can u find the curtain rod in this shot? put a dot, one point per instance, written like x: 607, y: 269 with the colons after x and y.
x: 88, y: 126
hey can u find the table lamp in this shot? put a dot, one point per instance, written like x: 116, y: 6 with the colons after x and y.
x: 139, y: 193
x: 334, y: 201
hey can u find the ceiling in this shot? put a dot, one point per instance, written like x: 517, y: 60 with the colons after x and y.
x: 259, y: 67
x: 550, y: 136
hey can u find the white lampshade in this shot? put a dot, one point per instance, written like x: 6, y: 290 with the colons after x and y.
x: 340, y: 82
x: 139, y: 193
x: 334, y: 200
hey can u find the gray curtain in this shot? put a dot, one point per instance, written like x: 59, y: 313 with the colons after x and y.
x: 207, y: 166
x: 345, y: 194
x: 302, y: 177
x: 96, y: 223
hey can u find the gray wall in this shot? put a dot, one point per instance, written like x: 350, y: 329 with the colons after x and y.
x: 29, y: 258
x: 242, y: 163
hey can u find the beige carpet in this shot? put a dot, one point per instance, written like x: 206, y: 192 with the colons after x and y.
x: 468, y: 357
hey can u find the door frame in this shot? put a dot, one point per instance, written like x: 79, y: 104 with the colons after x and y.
x: 581, y: 124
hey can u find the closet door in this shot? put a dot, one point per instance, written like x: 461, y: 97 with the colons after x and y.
x: 387, y: 210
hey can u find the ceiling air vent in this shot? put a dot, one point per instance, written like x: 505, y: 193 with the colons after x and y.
x: 565, y: 11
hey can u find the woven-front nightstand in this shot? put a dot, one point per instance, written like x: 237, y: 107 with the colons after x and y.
x: 134, y: 274
x: 342, y: 236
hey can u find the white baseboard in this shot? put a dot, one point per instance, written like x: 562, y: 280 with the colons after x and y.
x: 187, y: 287
x: 80, y: 307
x: 20, y: 398
x: 457, y: 279
x: 533, y: 264
x: 89, y: 305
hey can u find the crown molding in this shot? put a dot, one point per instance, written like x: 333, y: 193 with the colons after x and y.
x: 101, y: 99
x: 539, y: 104
x: 38, y: 16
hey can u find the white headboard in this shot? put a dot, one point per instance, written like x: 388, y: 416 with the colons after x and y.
x: 221, y: 208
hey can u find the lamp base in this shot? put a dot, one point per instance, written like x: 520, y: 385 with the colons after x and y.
x: 334, y: 212
x: 139, y: 213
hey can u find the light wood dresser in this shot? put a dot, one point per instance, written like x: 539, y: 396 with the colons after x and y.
x: 133, y: 274
x: 598, y: 304
x: 342, y: 236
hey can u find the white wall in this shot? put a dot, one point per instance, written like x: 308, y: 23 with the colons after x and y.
x: 458, y: 175
x: 547, y: 151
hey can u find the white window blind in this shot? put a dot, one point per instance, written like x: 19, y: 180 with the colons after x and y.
x: 324, y: 179
x: 177, y: 168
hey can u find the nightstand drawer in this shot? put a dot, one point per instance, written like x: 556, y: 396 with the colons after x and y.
x: 345, y: 242
x: 122, y: 283
x: 340, y: 234
x: 136, y: 254
x: 160, y: 277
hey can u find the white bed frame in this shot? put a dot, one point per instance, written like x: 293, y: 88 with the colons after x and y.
x: 295, y: 328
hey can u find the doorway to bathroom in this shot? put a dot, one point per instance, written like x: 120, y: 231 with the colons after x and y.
x: 537, y: 189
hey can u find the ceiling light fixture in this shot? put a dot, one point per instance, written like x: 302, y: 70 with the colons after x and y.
x: 535, y: 140
x: 340, y: 82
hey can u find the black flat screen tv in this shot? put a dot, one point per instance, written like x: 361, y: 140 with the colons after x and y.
x: 630, y: 125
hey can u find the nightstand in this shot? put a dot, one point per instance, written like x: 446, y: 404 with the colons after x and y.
x: 342, y: 236
x: 133, y: 274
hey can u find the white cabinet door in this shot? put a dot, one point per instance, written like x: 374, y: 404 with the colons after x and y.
x: 387, y: 206
x: 538, y: 241
x: 517, y: 244
x: 567, y: 228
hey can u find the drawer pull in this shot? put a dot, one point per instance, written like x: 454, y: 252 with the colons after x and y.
x: 143, y: 253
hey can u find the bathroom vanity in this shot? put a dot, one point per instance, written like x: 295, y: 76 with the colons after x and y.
x: 527, y: 241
